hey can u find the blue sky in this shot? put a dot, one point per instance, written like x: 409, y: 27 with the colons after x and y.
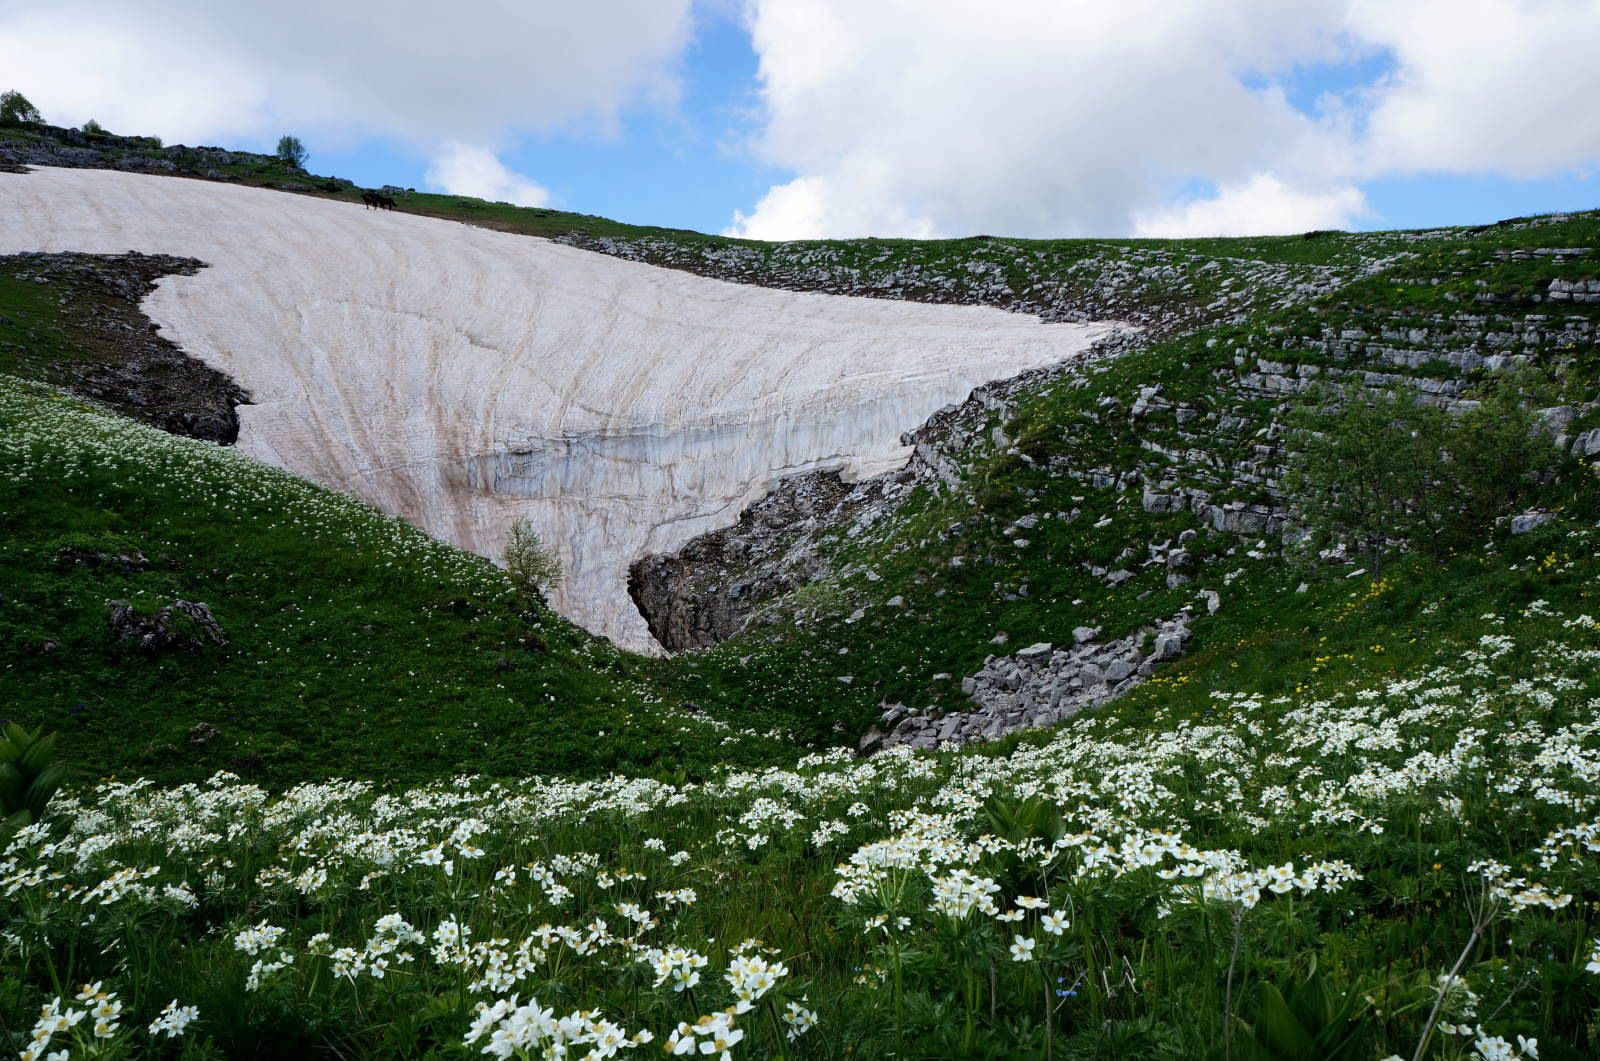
x: 692, y: 166
x: 802, y: 118
x: 686, y: 167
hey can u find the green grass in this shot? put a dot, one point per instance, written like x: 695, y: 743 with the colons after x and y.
x: 1401, y: 776
x: 32, y: 332
x: 357, y: 644
x: 1062, y: 432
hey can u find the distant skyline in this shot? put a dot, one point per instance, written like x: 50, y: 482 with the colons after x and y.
x: 805, y: 118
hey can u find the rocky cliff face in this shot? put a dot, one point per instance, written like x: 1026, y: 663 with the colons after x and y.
x: 711, y: 588
x: 695, y: 597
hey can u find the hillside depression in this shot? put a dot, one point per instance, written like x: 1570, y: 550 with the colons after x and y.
x: 461, y: 378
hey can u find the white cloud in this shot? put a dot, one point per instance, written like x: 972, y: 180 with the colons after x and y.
x: 1263, y: 205
x: 817, y: 207
x: 889, y: 117
x: 74, y: 66
x: 1078, y: 117
x: 462, y: 169
x: 1061, y: 117
x: 476, y: 70
x: 1502, y: 87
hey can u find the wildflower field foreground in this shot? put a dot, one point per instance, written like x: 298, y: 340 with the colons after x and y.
x: 1349, y: 868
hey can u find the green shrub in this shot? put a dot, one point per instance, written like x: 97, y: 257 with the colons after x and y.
x: 16, y: 110
x: 1379, y: 469
x: 533, y: 569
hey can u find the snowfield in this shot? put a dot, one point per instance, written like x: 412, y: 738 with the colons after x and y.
x: 460, y: 377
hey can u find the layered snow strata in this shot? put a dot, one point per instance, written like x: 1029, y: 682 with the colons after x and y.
x: 461, y: 378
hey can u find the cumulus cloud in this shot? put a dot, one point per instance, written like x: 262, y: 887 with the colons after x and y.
x: 834, y: 204
x: 75, y: 66
x: 1501, y: 87
x: 199, y: 70
x: 1031, y: 117
x: 1076, y: 117
x: 462, y: 169
x: 889, y: 117
x: 1260, y: 206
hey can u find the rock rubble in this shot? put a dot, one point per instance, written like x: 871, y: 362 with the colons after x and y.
x: 1039, y: 685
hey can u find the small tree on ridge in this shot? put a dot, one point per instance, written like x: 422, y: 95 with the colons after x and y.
x: 291, y: 151
x: 16, y: 110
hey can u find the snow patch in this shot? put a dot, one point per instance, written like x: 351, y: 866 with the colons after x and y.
x: 460, y: 377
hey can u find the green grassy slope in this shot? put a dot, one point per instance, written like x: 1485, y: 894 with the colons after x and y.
x: 324, y: 695
x: 1216, y: 425
x: 1359, y: 824
x: 357, y: 645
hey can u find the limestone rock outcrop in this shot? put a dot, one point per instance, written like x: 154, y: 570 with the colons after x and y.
x: 182, y: 625
x: 706, y: 592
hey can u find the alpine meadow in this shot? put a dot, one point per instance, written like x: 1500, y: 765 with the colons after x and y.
x: 553, y: 637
